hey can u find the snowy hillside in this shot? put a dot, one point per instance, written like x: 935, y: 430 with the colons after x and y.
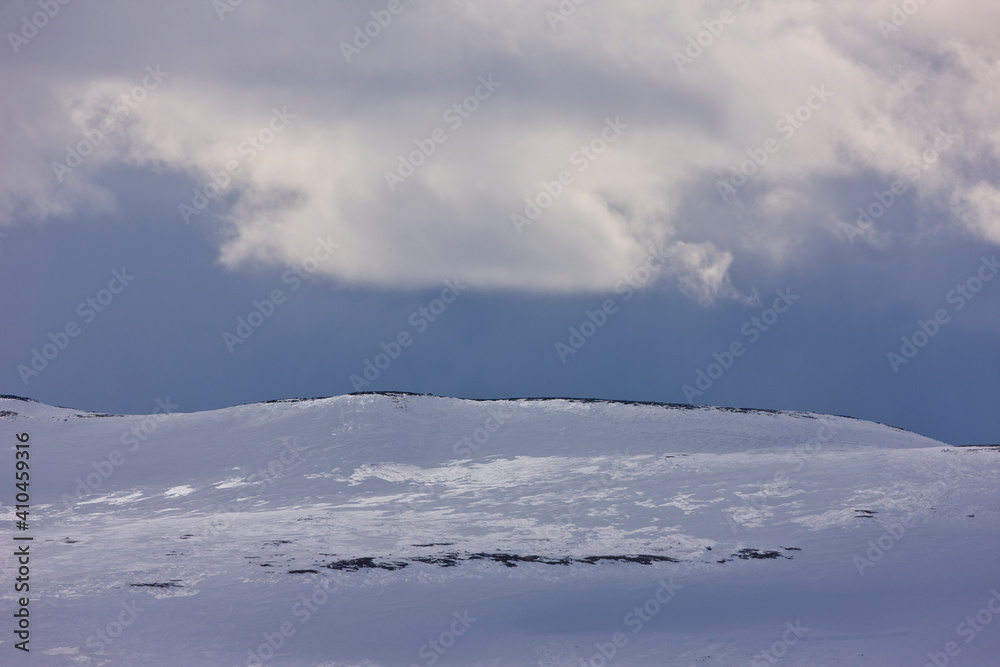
x: 391, y: 529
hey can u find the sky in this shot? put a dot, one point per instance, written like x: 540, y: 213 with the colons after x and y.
x: 786, y: 205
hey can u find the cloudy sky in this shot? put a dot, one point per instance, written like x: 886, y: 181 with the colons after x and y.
x: 791, y: 205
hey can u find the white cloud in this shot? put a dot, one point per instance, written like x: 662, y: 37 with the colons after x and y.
x: 324, y: 174
x: 979, y: 208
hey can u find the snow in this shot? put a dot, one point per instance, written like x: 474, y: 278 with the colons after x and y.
x: 425, y: 530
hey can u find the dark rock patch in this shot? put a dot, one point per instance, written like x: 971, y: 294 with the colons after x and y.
x: 642, y: 559
x: 747, y: 554
x: 511, y: 560
x: 447, y: 560
x: 160, y: 584
x: 355, y: 564
x: 454, y: 558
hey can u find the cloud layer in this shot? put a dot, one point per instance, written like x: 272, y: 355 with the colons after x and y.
x: 516, y: 145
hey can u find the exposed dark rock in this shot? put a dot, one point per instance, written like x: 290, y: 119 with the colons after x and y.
x: 159, y: 584
x: 355, y: 564
x: 642, y: 559
x: 747, y: 554
x: 447, y: 560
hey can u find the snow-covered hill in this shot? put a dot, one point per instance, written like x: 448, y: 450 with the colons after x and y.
x: 394, y: 529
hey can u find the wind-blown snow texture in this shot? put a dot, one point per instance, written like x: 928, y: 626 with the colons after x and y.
x: 393, y: 529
